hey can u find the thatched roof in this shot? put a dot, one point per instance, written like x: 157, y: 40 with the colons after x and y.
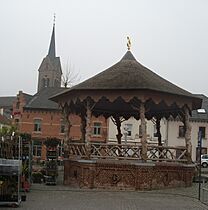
x: 129, y: 74
x: 120, y: 89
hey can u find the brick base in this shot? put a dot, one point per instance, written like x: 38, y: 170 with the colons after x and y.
x: 132, y: 175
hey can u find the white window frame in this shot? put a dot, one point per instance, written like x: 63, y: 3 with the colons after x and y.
x: 97, y: 128
x: 37, y: 125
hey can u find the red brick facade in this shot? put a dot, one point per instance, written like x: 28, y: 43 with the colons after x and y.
x: 51, y: 123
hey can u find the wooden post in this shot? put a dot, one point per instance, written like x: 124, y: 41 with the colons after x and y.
x: 117, y: 121
x: 187, y: 126
x: 88, y: 130
x: 159, y: 136
x: 143, y: 132
x: 68, y: 125
x: 83, y: 127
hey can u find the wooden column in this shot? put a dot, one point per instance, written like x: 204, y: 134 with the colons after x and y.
x: 187, y: 126
x: 159, y: 136
x: 88, y: 127
x: 68, y: 125
x: 83, y: 127
x: 88, y: 130
x: 143, y: 132
x: 117, y: 121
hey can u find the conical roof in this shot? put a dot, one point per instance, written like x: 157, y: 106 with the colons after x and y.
x: 128, y: 74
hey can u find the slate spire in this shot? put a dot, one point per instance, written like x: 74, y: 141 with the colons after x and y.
x: 52, y: 47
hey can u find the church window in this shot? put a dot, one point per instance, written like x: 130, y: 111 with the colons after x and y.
x: 47, y: 82
x: 43, y: 82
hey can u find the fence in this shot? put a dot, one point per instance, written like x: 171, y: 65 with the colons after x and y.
x: 126, y: 151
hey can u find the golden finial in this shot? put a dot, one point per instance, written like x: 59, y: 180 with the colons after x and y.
x: 128, y: 43
x: 54, y: 18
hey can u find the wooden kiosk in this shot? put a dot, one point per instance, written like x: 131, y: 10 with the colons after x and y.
x: 127, y: 89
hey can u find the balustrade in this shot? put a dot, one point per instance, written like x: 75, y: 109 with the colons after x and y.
x: 127, y: 152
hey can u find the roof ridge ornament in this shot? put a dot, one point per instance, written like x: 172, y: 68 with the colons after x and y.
x: 128, y: 43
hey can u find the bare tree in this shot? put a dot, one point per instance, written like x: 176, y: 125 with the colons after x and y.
x: 117, y: 121
x: 69, y: 78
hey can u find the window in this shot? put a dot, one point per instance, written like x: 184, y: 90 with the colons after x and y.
x: 181, y: 131
x: 16, y: 121
x: 45, y: 82
x: 37, y: 125
x: 37, y: 147
x: 62, y: 128
x: 97, y: 128
x: 203, y: 133
x: 155, y: 131
x: 128, y: 129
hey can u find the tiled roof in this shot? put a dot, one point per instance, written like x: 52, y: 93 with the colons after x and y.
x: 41, y: 99
x: 7, y: 101
x: 4, y: 120
x: 27, y: 97
x: 129, y: 74
x: 201, y: 116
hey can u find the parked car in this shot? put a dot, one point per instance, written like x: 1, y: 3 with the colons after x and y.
x: 204, y: 160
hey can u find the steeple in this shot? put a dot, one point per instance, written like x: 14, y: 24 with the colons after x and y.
x: 50, y: 69
x: 52, y: 47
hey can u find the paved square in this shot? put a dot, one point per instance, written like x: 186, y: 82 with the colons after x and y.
x: 61, y: 197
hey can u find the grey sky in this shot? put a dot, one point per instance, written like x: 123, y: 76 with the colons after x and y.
x: 168, y: 36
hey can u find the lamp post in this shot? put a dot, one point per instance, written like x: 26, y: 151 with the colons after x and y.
x: 199, y: 147
x: 20, y: 165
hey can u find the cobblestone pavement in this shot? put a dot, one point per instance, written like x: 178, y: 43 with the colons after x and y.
x: 62, y: 197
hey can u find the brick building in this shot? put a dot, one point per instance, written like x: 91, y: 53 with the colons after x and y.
x: 43, y: 118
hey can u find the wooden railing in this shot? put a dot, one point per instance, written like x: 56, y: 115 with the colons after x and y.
x: 77, y: 150
x: 126, y: 151
x: 177, y: 154
x: 115, y: 151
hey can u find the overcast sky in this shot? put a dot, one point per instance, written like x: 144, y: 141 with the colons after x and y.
x: 168, y: 36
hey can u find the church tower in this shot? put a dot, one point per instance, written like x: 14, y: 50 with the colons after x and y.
x: 50, y: 69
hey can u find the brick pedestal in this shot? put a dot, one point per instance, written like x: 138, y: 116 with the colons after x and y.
x: 133, y: 175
